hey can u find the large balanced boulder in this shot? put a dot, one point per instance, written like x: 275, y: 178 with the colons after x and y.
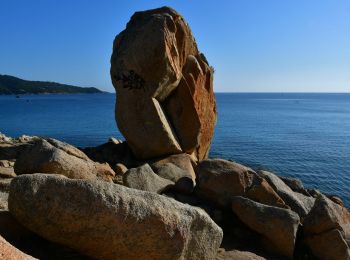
x: 165, y: 102
x: 53, y: 156
x: 327, y: 230
x: 218, y: 180
x: 277, y: 226
x: 108, y: 221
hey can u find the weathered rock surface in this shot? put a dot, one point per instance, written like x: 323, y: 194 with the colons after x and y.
x: 11, y: 148
x: 182, y: 179
x: 6, y: 169
x: 53, y: 156
x: 108, y: 221
x: 32, y: 244
x: 295, y: 184
x: 143, y: 178
x: 183, y: 161
x: 3, y: 200
x: 120, y: 169
x: 9, y: 252
x: 261, y: 191
x: 278, y: 226
x: 237, y: 255
x: 5, y: 184
x: 4, y: 190
x: 299, y: 203
x: 327, y: 230
x: 164, y: 86
x: 218, y: 180
x: 112, y: 152
x: 329, y: 245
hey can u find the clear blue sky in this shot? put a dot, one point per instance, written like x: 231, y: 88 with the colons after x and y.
x: 254, y: 45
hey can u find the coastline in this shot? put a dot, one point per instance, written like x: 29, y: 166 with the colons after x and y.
x: 202, y: 184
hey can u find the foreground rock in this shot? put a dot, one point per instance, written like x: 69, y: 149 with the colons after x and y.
x: 278, y: 226
x: 6, y: 169
x: 183, y: 161
x: 218, y: 180
x: 327, y: 230
x: 295, y: 184
x: 113, y: 152
x: 4, y: 190
x: 53, y: 156
x: 237, y: 255
x: 11, y: 148
x: 9, y: 252
x: 143, y: 178
x: 182, y: 179
x: 298, y: 202
x: 165, y: 91
x: 109, y: 221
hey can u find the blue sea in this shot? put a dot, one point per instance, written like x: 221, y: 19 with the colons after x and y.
x: 301, y: 135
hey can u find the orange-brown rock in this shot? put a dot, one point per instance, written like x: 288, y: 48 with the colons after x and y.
x: 9, y: 252
x: 218, y: 180
x: 327, y: 230
x: 183, y: 161
x: 165, y: 102
x: 262, y: 192
x: 191, y: 107
x: 108, y: 221
x: 277, y: 226
x: 53, y: 156
x: 237, y: 255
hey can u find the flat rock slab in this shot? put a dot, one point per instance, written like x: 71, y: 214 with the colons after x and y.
x: 109, y: 221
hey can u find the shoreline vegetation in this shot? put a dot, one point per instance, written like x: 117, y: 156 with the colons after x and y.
x: 10, y: 85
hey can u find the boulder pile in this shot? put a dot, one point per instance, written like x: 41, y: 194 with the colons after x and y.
x: 156, y: 195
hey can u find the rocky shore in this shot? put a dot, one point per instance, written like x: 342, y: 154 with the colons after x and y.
x: 60, y: 202
x: 157, y: 195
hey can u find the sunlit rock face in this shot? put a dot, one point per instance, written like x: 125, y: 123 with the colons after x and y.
x: 165, y: 102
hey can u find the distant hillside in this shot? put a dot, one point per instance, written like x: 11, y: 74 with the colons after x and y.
x: 10, y: 85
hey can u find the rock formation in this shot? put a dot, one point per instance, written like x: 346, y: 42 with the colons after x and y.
x: 9, y: 252
x: 328, y: 221
x: 53, y: 156
x: 219, y: 180
x: 277, y: 226
x: 143, y: 178
x: 261, y: 215
x: 165, y: 102
x: 172, y: 202
x: 109, y: 221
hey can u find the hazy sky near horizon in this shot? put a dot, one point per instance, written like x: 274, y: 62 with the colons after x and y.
x: 254, y: 45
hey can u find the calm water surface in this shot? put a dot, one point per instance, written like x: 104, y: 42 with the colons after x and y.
x: 302, y: 135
